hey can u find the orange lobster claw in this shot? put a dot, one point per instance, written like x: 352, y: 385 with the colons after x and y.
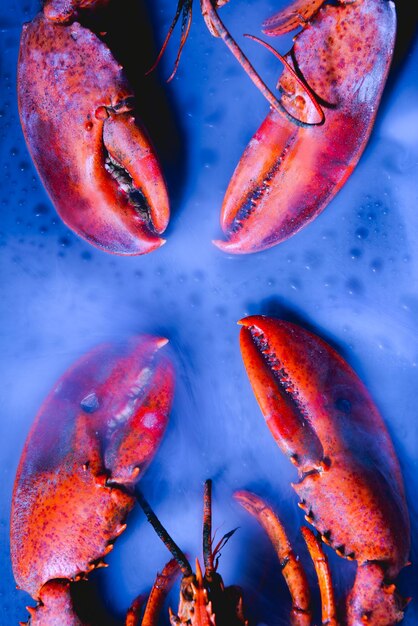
x: 93, y: 156
x: 91, y: 441
x: 350, y: 483
x: 56, y: 607
x: 289, y: 172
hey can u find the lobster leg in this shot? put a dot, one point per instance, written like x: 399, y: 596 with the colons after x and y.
x: 158, y: 594
x: 350, y: 484
x: 297, y: 14
x: 320, y: 561
x: 292, y: 570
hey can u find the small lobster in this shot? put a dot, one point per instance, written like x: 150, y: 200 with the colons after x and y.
x: 204, y: 599
x: 308, y: 146
x: 92, y: 439
x: 77, y: 114
x: 350, y: 483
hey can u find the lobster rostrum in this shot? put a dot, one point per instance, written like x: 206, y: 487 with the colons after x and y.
x: 350, y: 484
x: 78, y: 116
x: 204, y: 599
x: 306, y: 149
x: 92, y: 439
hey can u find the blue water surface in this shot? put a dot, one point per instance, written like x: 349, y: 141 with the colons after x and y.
x: 351, y: 276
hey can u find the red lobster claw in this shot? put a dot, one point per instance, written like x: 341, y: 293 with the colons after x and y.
x: 93, y: 156
x: 350, y: 484
x: 330, y: 92
x: 91, y: 441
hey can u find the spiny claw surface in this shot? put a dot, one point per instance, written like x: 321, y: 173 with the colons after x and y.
x: 293, y: 167
x: 55, y: 607
x: 91, y: 440
x: 93, y: 156
x: 322, y: 417
x: 297, y: 14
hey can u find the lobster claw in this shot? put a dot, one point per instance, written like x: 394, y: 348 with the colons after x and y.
x: 55, y: 608
x: 350, y: 485
x: 296, y: 162
x: 94, y: 158
x: 91, y: 441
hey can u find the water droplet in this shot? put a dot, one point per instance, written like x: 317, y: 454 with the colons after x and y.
x: 354, y: 287
x: 376, y: 265
x: 90, y: 403
x: 362, y: 233
x: 355, y: 253
x: 64, y: 242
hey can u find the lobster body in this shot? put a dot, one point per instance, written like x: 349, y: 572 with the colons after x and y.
x: 350, y: 484
x: 92, y: 439
x: 204, y: 599
x: 94, y: 158
x: 295, y: 165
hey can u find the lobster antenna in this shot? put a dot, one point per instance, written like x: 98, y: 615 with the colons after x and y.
x: 185, y: 30
x: 221, y: 544
x: 300, y: 82
x: 184, y: 6
x: 177, y: 553
x: 217, y: 26
x: 207, y: 529
x: 210, y: 555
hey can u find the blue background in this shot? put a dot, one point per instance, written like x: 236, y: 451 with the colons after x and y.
x: 351, y: 276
